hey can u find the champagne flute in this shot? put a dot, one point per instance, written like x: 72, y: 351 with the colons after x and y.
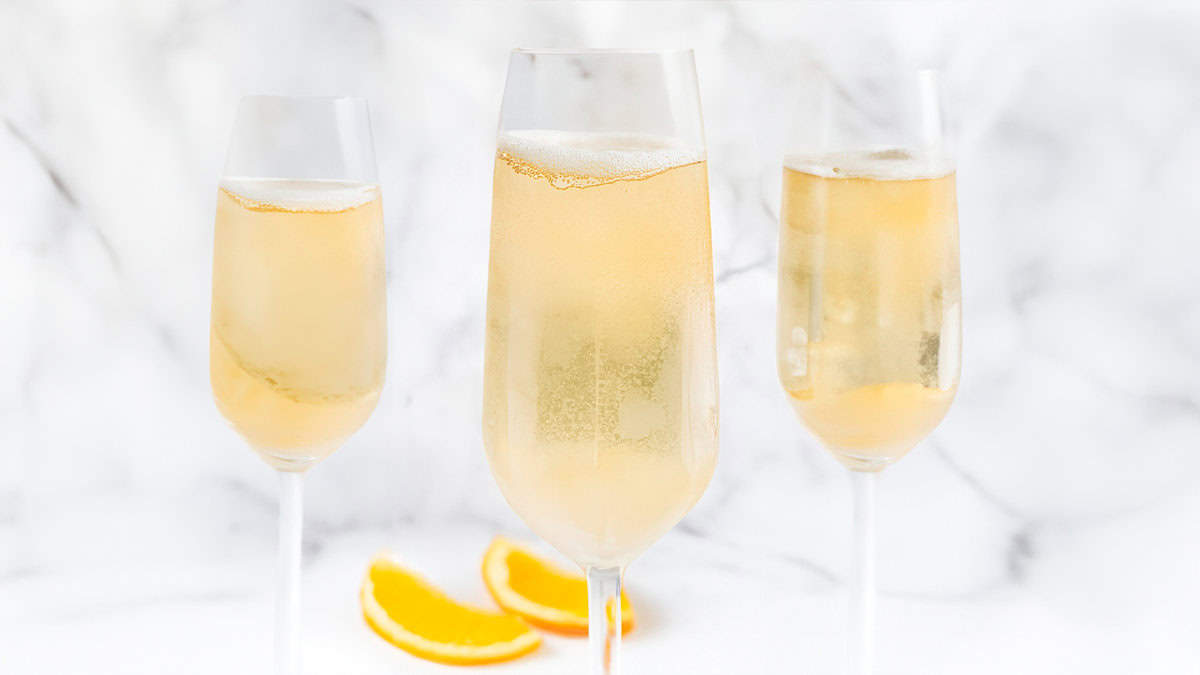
x: 869, y: 327
x: 298, y: 341
x: 600, y: 388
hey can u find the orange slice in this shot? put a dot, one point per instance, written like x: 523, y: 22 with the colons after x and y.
x: 418, y: 618
x: 540, y: 592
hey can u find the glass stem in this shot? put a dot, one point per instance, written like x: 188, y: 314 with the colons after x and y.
x: 287, y: 594
x: 604, y: 620
x: 862, y: 592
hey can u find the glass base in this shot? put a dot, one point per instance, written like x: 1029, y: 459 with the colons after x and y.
x: 866, y: 463
x: 289, y: 463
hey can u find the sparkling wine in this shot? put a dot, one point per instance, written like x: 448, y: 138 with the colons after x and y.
x: 600, y: 393
x: 869, y: 300
x: 298, y: 337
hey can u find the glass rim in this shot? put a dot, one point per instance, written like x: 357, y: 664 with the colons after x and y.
x: 588, y: 51
x: 304, y: 97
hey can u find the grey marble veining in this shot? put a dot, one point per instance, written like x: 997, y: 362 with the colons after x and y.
x: 1044, y: 527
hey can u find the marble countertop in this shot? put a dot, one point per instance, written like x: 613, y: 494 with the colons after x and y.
x: 704, y: 605
x: 1045, y: 527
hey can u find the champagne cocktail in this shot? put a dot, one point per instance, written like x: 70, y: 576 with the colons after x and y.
x: 869, y: 335
x: 298, y: 339
x: 600, y: 388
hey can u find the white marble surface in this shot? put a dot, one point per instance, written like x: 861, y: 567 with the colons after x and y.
x: 1046, y: 527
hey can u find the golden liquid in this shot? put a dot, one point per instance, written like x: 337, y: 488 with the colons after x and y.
x: 600, y: 392
x: 298, y: 342
x: 869, y: 301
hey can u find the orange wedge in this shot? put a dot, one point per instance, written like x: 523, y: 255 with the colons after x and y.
x: 418, y: 618
x: 540, y: 592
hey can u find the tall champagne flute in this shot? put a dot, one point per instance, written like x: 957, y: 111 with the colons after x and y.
x: 600, y: 388
x: 869, y: 326
x: 298, y: 341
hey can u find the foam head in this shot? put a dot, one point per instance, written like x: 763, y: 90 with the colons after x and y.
x: 599, y: 155
x: 300, y: 195
x: 885, y: 164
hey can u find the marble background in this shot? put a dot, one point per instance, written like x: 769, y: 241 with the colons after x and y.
x: 1048, y: 526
